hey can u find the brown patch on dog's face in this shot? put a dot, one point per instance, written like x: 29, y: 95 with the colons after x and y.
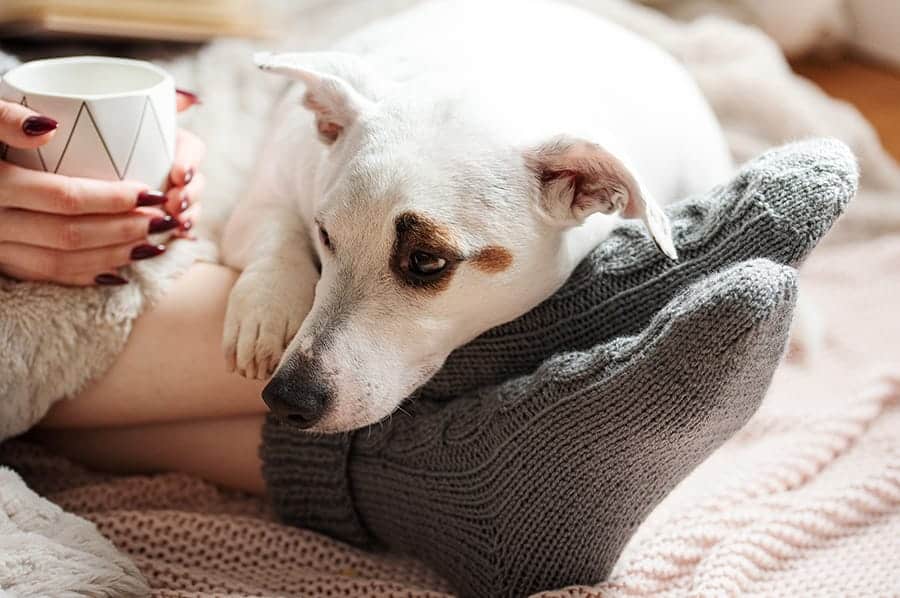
x: 493, y: 259
x: 420, y: 245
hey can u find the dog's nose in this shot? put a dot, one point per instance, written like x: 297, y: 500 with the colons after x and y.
x: 298, y: 393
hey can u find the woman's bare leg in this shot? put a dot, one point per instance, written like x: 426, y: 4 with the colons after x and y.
x: 168, y: 403
x: 221, y: 451
x: 172, y: 367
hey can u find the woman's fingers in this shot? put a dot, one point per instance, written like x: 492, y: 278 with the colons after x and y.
x: 111, y: 278
x: 78, y: 232
x: 185, y: 99
x: 179, y: 199
x: 187, y: 220
x: 24, y: 128
x: 58, y: 194
x: 71, y: 267
x: 187, y: 181
x: 189, y: 153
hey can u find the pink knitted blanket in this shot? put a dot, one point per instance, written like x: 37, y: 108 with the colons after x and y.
x: 804, y: 501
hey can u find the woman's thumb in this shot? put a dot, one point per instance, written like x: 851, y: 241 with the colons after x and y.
x: 24, y: 128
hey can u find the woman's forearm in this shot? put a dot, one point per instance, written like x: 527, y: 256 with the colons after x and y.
x: 172, y: 367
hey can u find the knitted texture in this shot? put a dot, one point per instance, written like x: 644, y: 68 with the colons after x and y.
x: 778, y: 207
x: 801, y: 506
x: 539, y: 483
x: 326, y: 502
x: 818, y: 456
x: 814, y: 507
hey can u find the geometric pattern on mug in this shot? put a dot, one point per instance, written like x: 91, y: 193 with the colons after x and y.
x: 128, y: 134
x: 40, y: 154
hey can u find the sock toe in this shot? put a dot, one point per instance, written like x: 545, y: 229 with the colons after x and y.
x: 754, y: 297
x: 802, y: 158
x: 807, y: 185
x: 745, y: 293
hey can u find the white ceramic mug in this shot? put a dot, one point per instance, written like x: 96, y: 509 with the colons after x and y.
x: 116, y: 117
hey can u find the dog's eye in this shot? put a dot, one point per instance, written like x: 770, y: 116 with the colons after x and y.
x: 426, y: 264
x: 324, y: 238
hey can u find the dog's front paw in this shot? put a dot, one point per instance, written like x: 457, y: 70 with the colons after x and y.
x: 260, y: 321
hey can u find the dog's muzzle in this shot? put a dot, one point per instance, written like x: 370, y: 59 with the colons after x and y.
x: 298, y: 392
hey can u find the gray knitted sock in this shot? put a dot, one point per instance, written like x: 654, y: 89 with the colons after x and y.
x: 538, y: 483
x: 778, y: 207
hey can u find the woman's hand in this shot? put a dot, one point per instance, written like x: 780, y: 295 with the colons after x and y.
x: 78, y: 231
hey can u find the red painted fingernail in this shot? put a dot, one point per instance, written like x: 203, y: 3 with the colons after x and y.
x: 189, y: 96
x: 188, y: 175
x: 150, y: 198
x: 185, y: 203
x: 38, y: 125
x: 110, y: 280
x: 142, y: 252
x: 184, y: 231
x: 161, y: 224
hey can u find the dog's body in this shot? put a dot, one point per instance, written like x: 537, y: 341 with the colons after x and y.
x: 439, y: 179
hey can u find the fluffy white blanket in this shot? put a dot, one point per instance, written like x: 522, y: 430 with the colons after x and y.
x: 45, y: 551
x: 742, y: 72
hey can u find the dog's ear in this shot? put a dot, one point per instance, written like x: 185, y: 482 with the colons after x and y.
x: 578, y: 178
x: 335, y: 86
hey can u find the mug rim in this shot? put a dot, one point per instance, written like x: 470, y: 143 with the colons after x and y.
x: 165, y: 77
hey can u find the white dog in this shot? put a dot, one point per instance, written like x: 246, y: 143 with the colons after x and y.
x: 448, y: 169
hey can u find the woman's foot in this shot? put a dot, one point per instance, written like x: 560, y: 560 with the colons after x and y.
x: 778, y: 207
x: 538, y: 483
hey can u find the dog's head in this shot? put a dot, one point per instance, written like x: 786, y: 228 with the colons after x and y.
x: 431, y: 227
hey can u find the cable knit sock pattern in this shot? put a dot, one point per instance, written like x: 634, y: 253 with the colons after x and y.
x: 538, y: 483
x: 778, y: 207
